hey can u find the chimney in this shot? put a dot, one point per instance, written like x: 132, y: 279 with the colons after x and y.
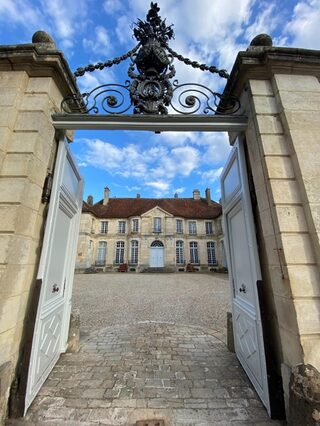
x: 208, y: 196
x: 106, y: 196
x: 138, y: 195
x: 90, y: 200
x: 196, y: 194
x: 176, y: 195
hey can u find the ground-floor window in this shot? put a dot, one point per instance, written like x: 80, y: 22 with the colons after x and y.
x: 119, y: 252
x: 101, y: 253
x: 179, y: 252
x: 134, y: 252
x: 211, y: 253
x: 194, y: 257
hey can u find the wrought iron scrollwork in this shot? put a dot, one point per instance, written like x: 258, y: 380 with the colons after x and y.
x: 190, y: 98
x: 150, y: 90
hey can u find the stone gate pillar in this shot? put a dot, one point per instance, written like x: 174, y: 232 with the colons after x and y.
x: 280, y: 93
x: 34, y: 78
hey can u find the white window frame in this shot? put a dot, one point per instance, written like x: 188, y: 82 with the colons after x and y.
x: 179, y: 252
x: 119, y: 252
x: 157, y: 224
x: 134, y: 252
x: 121, y: 226
x: 211, y: 253
x: 135, y: 225
x: 104, y: 227
x: 194, y: 253
x: 179, y: 226
x: 192, y: 227
x: 101, y: 253
x: 209, y: 228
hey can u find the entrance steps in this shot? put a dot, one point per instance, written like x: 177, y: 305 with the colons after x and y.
x: 166, y: 270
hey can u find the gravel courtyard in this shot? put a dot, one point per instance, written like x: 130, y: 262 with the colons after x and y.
x: 121, y: 298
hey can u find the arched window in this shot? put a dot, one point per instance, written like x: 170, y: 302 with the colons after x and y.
x: 179, y: 252
x: 156, y: 243
x: 101, y: 253
x: 134, y: 252
x: 194, y: 257
x: 119, y: 252
x: 211, y: 253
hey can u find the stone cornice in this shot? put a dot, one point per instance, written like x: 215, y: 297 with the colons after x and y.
x: 39, y: 60
x: 263, y: 62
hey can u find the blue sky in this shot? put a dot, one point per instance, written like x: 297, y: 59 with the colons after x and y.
x: 210, y: 31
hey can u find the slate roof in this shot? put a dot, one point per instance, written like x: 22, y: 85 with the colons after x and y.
x: 127, y: 207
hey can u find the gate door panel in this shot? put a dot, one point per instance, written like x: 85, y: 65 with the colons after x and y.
x: 244, y: 270
x: 56, y: 271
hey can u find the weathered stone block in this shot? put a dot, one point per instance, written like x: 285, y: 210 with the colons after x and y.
x: 74, y: 332
x: 304, y: 280
x: 261, y: 87
x: 269, y: 124
x: 285, y: 191
x: 275, y: 145
x: 8, y: 116
x: 297, y: 248
x: 296, y: 83
x: 265, y: 105
x: 16, y: 79
x: 34, y: 121
x: 304, y: 398
x: 300, y: 101
x: 279, y: 168
x: 5, y: 381
x: 308, y: 315
x: 291, y: 346
x: 291, y: 219
x: 230, y: 336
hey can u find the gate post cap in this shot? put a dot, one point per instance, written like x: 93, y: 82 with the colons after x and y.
x: 261, y: 40
x: 42, y: 37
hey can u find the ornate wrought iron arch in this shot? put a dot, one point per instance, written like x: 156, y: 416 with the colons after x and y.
x: 150, y: 90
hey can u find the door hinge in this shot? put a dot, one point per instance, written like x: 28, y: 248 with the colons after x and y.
x: 47, y: 187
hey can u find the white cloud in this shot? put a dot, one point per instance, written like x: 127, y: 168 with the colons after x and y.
x: 101, y: 44
x: 112, y: 6
x: 180, y: 190
x: 23, y: 13
x: 304, y: 25
x: 211, y: 176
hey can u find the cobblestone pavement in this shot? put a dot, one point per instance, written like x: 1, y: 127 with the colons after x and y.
x: 141, y: 369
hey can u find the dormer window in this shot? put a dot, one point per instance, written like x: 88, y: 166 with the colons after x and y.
x: 157, y: 224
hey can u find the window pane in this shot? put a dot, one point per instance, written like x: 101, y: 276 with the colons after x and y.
x: 194, y: 258
x: 179, y: 226
x: 211, y: 253
x: 101, y: 253
x: 104, y: 227
x: 179, y: 252
x: 134, y: 252
x: 122, y: 226
x: 192, y: 227
x: 119, y: 252
x: 157, y: 224
x: 209, y: 228
x: 135, y: 225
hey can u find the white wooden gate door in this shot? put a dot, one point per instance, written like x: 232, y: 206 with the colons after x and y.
x: 56, y: 271
x: 244, y: 270
x: 156, y: 257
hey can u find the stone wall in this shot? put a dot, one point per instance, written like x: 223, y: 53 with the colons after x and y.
x: 281, y: 95
x: 30, y: 91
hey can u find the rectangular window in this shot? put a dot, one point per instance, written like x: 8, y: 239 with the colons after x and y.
x: 157, y: 224
x: 104, y: 227
x: 211, y: 253
x: 192, y: 227
x: 179, y: 226
x: 101, y: 254
x: 135, y: 225
x: 179, y: 252
x: 120, y: 252
x: 209, y: 228
x: 122, y: 227
x: 194, y: 257
x: 134, y: 253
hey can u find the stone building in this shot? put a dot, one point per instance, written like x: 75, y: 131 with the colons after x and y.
x: 146, y: 233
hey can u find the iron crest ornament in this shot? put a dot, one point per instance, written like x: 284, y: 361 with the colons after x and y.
x: 150, y: 89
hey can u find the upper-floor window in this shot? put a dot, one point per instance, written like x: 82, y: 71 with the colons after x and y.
x: 179, y: 225
x: 104, y: 227
x: 192, y: 227
x: 157, y: 224
x: 209, y: 228
x: 134, y: 252
x: 92, y: 226
x: 211, y: 253
x: 121, y: 226
x: 135, y: 225
x: 119, y: 252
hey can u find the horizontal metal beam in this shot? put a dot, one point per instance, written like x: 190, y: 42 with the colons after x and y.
x: 154, y: 123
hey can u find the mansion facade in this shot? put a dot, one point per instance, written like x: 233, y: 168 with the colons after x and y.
x: 136, y: 234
